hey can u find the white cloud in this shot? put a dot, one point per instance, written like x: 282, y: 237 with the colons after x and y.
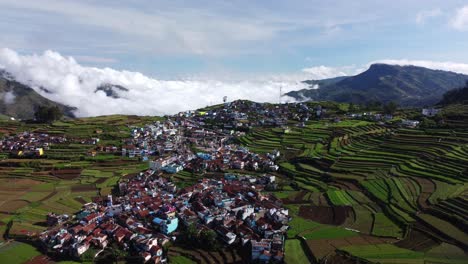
x: 324, y: 72
x: 424, y: 15
x: 94, y: 59
x: 436, y: 65
x: 460, y: 20
x: 169, y: 30
x: 73, y: 84
x: 8, y: 97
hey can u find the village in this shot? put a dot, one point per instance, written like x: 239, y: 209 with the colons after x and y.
x: 150, y: 211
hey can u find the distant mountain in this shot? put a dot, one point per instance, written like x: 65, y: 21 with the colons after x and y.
x: 325, y: 81
x: 20, y: 101
x: 406, y: 85
x: 455, y: 96
x: 111, y: 90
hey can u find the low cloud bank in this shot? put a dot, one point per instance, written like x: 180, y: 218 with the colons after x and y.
x: 63, y: 80
x: 8, y: 97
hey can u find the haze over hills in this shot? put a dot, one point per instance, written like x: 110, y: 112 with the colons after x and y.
x: 406, y: 85
x: 55, y: 78
x: 104, y: 91
x: 21, y: 101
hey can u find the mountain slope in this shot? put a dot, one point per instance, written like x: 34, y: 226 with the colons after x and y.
x: 406, y: 85
x: 111, y: 90
x: 20, y: 101
x: 455, y: 96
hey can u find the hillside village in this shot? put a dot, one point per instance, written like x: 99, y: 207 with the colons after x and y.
x: 149, y: 210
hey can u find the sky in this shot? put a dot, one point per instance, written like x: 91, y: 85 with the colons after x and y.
x: 173, y: 39
x: 231, y: 42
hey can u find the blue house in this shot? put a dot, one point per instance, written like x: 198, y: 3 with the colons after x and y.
x: 204, y: 156
x: 172, y: 168
x: 230, y: 177
x: 167, y: 226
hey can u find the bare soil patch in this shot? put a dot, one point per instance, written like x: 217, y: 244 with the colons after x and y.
x: 333, y: 215
x: 12, y: 206
x: 427, y: 188
x: 326, y: 247
x: 417, y: 240
x: 83, y: 188
x: 66, y: 174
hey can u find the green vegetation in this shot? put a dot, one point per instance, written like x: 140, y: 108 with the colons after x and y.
x: 381, y: 252
x: 17, y: 253
x: 329, y: 232
x: 180, y: 260
x: 46, y: 114
x: 295, y: 252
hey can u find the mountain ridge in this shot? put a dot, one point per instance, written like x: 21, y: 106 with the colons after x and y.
x: 407, y: 85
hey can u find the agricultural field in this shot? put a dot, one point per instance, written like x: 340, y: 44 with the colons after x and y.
x: 363, y: 183
x: 355, y: 189
x: 66, y: 177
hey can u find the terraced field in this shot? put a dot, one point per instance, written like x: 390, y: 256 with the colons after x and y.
x: 406, y: 186
x: 356, y: 190
x: 65, y: 177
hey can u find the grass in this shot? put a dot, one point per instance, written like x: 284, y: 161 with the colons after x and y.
x: 180, y: 260
x: 294, y: 252
x: 382, y: 251
x: 329, y: 233
x: 299, y: 225
x: 383, y: 226
x: 18, y: 253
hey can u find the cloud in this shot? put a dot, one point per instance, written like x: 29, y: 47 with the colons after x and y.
x: 324, y: 72
x: 460, y: 20
x: 73, y: 84
x: 424, y: 15
x: 8, y: 97
x: 159, y: 29
x: 436, y: 65
x: 94, y: 59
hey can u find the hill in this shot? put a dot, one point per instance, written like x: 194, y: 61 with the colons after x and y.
x: 456, y: 96
x: 20, y: 101
x: 406, y: 85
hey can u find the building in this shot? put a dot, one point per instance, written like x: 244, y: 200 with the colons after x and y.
x: 430, y: 111
x: 166, y: 226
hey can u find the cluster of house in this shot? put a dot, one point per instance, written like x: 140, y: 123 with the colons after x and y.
x: 34, y: 144
x: 410, y: 123
x: 29, y: 144
x: 157, y: 139
x: 150, y: 209
x: 371, y: 116
x: 245, y: 114
x: 182, y: 143
x: 224, y: 158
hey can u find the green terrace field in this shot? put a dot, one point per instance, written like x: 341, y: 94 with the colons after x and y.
x: 356, y: 190
x: 65, y: 177
x: 363, y: 183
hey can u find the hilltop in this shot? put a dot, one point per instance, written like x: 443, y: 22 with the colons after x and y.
x: 406, y: 85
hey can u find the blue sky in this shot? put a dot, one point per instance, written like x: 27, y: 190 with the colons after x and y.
x: 171, y: 39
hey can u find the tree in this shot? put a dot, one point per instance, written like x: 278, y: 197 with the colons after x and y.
x: 351, y: 107
x: 191, y: 233
x: 390, y: 108
x: 208, y: 239
x: 48, y: 114
x: 374, y: 105
x: 428, y: 123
